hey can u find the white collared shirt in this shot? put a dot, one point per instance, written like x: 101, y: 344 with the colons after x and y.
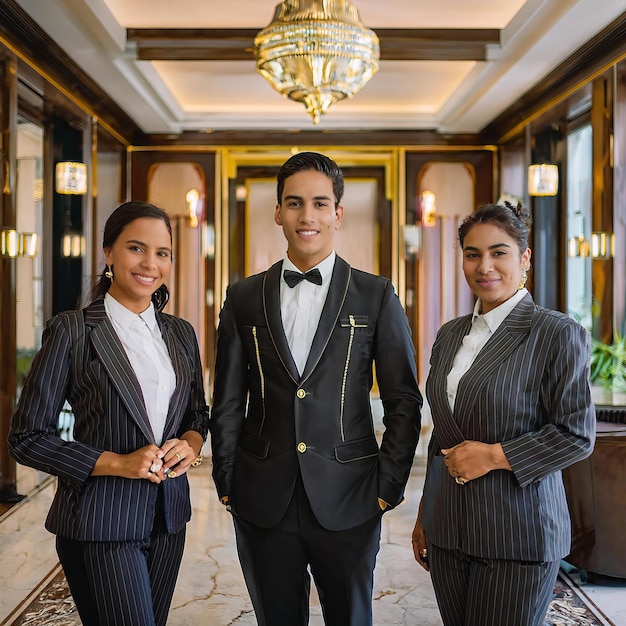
x: 483, y: 326
x: 148, y: 355
x: 301, y: 308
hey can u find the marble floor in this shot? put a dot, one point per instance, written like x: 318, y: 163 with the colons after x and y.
x: 211, y: 590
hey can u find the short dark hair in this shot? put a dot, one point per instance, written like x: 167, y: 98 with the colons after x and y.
x: 303, y: 161
x: 115, y: 224
x: 513, y: 220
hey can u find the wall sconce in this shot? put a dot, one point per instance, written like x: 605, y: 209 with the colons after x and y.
x: 9, y: 244
x: 429, y: 209
x: 602, y: 245
x: 578, y: 247
x: 16, y: 244
x: 192, y: 198
x: 72, y: 245
x: 27, y: 244
x: 543, y: 179
x: 71, y: 178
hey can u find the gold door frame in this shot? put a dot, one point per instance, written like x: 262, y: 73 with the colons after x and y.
x: 228, y: 160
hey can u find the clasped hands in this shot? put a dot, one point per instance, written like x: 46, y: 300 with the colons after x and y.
x: 172, y: 459
x: 472, y: 459
x: 156, y: 464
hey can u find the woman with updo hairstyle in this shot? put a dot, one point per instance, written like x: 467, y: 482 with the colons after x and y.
x: 508, y: 389
x: 134, y: 380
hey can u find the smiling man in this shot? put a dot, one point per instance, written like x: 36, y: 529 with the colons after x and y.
x: 295, y: 456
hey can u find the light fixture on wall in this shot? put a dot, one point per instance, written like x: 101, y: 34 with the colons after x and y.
x: 71, y: 178
x: 601, y: 246
x: 14, y: 244
x: 192, y: 198
x: 543, y: 179
x: 72, y: 245
x: 9, y: 244
x: 27, y: 244
x: 317, y: 52
x: 429, y: 208
x: 578, y: 247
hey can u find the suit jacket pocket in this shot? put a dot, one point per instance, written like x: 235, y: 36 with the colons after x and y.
x: 354, y: 321
x: 254, y: 446
x: 356, y: 450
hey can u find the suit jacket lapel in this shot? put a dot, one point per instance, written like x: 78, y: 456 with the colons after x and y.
x: 513, y: 330
x: 447, y: 431
x: 109, y: 350
x: 181, y: 369
x: 273, y: 318
x: 328, y: 320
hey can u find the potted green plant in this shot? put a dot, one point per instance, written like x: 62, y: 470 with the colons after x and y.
x: 608, y: 368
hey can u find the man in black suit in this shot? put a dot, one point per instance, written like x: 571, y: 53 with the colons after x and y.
x: 295, y: 455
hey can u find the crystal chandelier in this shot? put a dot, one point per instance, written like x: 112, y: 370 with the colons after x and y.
x: 317, y: 52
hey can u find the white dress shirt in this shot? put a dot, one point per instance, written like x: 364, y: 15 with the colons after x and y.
x: 483, y: 326
x: 148, y: 355
x: 301, y: 308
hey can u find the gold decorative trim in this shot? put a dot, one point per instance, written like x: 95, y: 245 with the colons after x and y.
x: 232, y: 158
x: 68, y: 94
x: 550, y: 104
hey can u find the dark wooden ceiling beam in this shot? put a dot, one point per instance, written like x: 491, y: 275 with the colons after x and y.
x: 396, y: 44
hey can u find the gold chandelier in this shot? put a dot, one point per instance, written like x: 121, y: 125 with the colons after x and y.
x: 317, y: 52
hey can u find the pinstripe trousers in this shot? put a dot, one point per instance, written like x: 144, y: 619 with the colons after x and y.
x: 124, y: 583
x: 475, y: 591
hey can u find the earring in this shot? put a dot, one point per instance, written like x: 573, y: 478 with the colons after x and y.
x: 523, y: 280
x: 109, y: 273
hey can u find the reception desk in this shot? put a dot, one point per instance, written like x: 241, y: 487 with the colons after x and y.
x: 596, y: 495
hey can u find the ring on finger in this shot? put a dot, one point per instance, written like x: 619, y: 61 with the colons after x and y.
x: 154, y: 468
x: 177, y: 456
x: 460, y: 480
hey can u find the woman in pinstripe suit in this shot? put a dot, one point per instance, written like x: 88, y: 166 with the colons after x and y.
x: 509, y: 394
x: 134, y: 380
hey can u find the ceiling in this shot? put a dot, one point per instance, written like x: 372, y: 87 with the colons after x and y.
x: 446, y: 65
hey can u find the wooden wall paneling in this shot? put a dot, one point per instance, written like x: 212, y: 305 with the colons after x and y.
x: 602, y: 201
x: 8, y: 219
x: 619, y: 198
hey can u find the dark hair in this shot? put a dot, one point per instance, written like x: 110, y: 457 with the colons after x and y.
x: 303, y: 161
x: 513, y: 220
x: 115, y: 224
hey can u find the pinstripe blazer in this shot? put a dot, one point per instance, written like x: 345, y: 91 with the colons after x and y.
x: 82, y: 360
x: 528, y: 389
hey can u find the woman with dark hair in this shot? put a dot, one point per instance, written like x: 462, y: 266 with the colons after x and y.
x: 509, y: 393
x: 133, y: 378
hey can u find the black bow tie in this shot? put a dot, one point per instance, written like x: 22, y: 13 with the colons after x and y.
x: 293, y: 278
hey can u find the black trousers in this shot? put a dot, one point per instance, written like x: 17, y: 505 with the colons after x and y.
x: 124, y: 583
x: 474, y: 591
x: 276, y: 562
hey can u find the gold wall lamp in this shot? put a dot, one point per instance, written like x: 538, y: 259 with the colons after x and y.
x: 600, y: 246
x: 71, y: 178
x: 543, y: 179
x: 14, y: 244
